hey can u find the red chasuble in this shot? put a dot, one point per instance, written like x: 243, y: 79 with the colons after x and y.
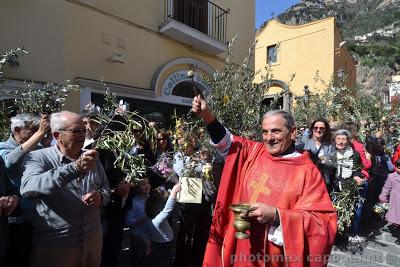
x: 295, y: 187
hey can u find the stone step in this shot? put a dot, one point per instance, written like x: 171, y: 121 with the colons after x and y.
x: 382, y: 248
x: 387, y: 233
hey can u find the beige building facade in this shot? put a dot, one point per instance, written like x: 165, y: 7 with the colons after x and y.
x: 141, y: 50
x: 295, y: 57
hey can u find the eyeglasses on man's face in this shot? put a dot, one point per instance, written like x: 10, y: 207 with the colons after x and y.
x: 316, y: 128
x: 75, y: 131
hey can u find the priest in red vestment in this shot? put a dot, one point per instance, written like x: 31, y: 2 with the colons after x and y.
x: 293, y: 222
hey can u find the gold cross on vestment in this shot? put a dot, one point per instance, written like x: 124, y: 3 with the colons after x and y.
x: 259, y: 187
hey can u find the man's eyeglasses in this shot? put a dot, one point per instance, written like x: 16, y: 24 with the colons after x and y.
x: 319, y: 128
x: 74, y: 131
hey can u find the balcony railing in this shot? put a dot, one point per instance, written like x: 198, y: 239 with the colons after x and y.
x: 201, y: 15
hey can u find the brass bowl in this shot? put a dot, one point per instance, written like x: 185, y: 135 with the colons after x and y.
x: 241, y: 223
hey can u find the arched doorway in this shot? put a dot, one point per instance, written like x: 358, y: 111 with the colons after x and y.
x: 187, y: 89
x: 282, y: 97
x: 172, y: 84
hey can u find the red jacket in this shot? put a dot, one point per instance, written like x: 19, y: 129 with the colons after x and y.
x: 396, y: 154
x: 359, y: 147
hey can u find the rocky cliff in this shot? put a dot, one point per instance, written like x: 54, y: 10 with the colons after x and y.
x: 370, y: 27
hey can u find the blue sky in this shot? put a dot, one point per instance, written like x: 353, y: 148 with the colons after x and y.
x: 264, y: 9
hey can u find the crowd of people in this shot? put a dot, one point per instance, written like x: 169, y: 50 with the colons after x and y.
x: 344, y: 159
x: 64, y: 198
x: 63, y: 202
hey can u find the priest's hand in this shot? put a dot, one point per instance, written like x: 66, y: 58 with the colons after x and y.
x: 262, y: 213
x: 200, y: 107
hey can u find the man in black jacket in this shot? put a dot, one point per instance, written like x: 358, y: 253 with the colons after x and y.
x: 8, y: 203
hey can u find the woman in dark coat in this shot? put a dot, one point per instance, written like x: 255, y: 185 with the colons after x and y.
x: 318, y: 142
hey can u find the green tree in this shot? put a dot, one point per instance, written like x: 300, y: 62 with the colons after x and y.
x: 235, y: 99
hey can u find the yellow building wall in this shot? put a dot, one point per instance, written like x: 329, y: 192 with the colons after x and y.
x: 66, y: 38
x: 74, y: 39
x: 241, y: 23
x: 144, y: 51
x: 344, y: 61
x: 303, y: 51
x: 38, y: 25
x: 150, y: 14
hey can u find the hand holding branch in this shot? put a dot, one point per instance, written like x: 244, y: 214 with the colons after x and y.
x: 200, y: 107
x: 44, y: 124
x: 87, y: 161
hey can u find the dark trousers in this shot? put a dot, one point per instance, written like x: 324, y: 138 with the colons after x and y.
x: 112, y: 240
x: 162, y: 254
x: 193, y: 234
x: 20, y: 245
x: 137, y: 252
x: 356, y: 224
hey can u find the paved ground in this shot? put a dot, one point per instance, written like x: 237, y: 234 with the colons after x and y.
x: 382, y: 248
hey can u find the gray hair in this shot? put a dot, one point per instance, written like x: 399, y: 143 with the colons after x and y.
x: 343, y: 132
x: 58, y: 119
x: 24, y: 120
x: 286, y: 115
x: 56, y: 123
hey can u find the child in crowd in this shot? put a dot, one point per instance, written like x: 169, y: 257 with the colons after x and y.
x: 391, y: 193
x: 136, y: 220
x: 159, y: 207
x: 150, y: 233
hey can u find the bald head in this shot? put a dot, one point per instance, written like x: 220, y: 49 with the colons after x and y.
x: 62, y: 119
x: 69, y: 130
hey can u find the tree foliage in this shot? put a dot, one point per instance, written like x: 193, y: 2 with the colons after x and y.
x: 10, y: 58
x: 47, y: 99
x: 235, y: 99
x: 340, y: 103
x: 33, y: 98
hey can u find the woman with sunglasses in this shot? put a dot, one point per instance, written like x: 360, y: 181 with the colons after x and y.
x: 318, y: 142
x: 163, y: 143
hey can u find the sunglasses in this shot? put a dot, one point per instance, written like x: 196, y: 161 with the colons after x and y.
x: 318, y: 128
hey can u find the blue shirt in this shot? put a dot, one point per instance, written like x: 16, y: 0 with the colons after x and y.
x: 13, y: 156
x: 56, y: 187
